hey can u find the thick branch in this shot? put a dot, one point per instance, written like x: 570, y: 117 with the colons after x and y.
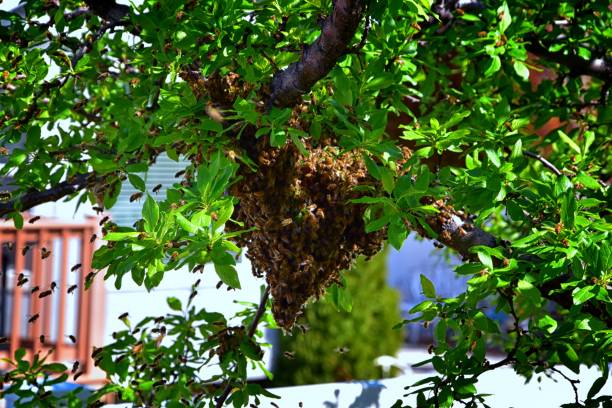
x: 108, y: 9
x: 34, y: 198
x: 455, y: 231
x: 596, y: 67
x: 320, y: 57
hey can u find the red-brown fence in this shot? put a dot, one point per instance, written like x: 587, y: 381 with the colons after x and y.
x: 41, y: 309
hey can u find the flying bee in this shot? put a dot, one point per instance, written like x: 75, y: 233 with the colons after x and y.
x: 42, y: 338
x: 72, y: 289
x: 274, y: 405
x: 123, y: 316
x: 75, y: 267
x: 33, y: 318
x: 72, y: 338
x: 34, y: 219
x: 34, y: 289
x: 219, y: 284
x: 3, y: 340
x: 96, y: 351
x: 93, y: 238
x: 75, y: 367
x: 25, y: 250
x: 286, y: 222
x: 77, y: 375
x: 44, y: 294
x: 289, y: 354
x: 22, y: 282
x: 44, y: 253
x: 342, y: 350
x: 53, y: 286
x: 157, y: 188
x: 179, y: 173
x: 136, y: 196
x: 97, y: 209
x: 104, y: 220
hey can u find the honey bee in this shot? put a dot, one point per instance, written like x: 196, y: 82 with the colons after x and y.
x: 34, y: 318
x: 44, y: 253
x: 274, y: 404
x: 44, y: 294
x: 96, y: 351
x: 93, y: 238
x: 3, y: 340
x: 77, y: 375
x: 72, y: 289
x: 42, y: 338
x: 34, y: 219
x: 97, y: 209
x: 136, y: 196
x: 342, y: 350
x: 286, y: 222
x: 34, y: 289
x: 53, y: 286
x: 72, y: 338
x: 123, y: 316
x: 289, y: 355
x: 179, y: 173
x: 75, y: 267
x: 157, y: 188
x: 104, y: 220
x: 219, y: 284
x: 25, y: 250
x: 22, y: 282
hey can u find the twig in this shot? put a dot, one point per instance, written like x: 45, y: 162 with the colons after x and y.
x: 258, y: 315
x: 542, y: 160
x: 572, y: 382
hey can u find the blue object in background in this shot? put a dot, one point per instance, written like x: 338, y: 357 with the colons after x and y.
x: 58, y: 390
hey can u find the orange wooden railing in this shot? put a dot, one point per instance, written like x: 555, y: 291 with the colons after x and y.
x: 43, y: 257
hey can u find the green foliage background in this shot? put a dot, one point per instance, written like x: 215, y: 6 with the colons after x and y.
x: 365, y: 332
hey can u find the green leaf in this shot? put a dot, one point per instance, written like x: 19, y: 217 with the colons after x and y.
x: 521, y: 70
x: 278, y: 138
x: 228, y: 275
x: 494, y: 66
x: 121, y: 236
x: 504, y: 16
x: 568, y: 141
x: 55, y: 368
x: 581, y: 295
x: 587, y: 181
x: 547, y: 323
x: 598, y: 383
x: 397, y: 233
x: 186, y: 224
x: 174, y: 303
x: 17, y: 219
x: 137, y: 182
x: 150, y: 212
x: 428, y: 287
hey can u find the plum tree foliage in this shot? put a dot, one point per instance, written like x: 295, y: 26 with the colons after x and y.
x: 314, y: 131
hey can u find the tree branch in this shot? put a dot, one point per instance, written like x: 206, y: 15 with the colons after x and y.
x: 542, y: 160
x: 258, y: 315
x: 321, y: 56
x: 108, y: 10
x: 457, y: 232
x: 34, y: 198
x: 596, y: 67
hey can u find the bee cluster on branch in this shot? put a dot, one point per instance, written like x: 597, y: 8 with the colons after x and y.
x: 307, y: 230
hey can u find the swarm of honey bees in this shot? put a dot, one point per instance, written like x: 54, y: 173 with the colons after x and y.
x: 307, y: 230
